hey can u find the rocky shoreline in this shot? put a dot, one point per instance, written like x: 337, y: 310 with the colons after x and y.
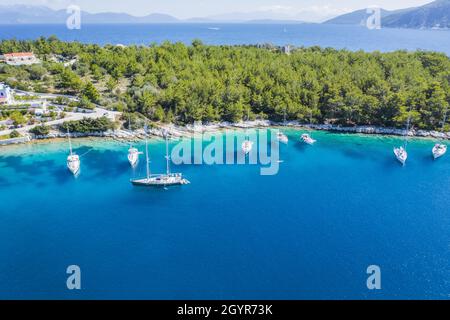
x: 190, y: 130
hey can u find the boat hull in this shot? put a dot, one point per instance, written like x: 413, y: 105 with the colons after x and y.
x: 160, y: 181
x: 283, y: 138
x: 247, y: 147
x: 401, y: 155
x: 133, y: 159
x: 439, y: 151
x: 133, y: 156
x: 73, y: 164
x: 308, y: 140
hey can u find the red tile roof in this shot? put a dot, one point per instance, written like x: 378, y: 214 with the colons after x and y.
x: 18, y: 54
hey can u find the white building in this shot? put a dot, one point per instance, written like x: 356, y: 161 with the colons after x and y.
x: 20, y: 58
x: 6, y: 96
x: 40, y: 109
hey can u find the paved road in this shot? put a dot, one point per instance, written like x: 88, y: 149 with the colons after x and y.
x: 70, y: 116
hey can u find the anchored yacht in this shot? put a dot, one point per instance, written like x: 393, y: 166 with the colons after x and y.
x: 160, y: 180
x: 308, y: 140
x: 439, y: 150
x: 133, y: 156
x: 73, y: 160
x: 282, y: 137
x: 401, y: 155
x: 247, y: 146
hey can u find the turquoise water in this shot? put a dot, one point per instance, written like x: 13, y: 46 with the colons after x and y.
x: 336, y: 36
x: 308, y: 232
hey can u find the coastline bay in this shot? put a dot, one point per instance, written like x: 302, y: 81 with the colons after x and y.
x: 308, y: 232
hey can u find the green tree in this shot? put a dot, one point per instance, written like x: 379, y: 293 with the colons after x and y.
x: 90, y: 92
x: 17, y: 118
x: 14, y: 134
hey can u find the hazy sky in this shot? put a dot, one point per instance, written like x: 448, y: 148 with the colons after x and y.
x: 315, y: 9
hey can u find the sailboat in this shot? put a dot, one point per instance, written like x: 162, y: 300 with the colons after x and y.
x: 306, y: 138
x: 247, y: 145
x: 160, y: 180
x: 133, y: 156
x: 280, y: 135
x: 133, y: 153
x: 73, y: 160
x: 400, y: 153
x: 440, y: 149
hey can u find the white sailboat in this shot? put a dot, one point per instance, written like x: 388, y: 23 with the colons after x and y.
x: 280, y: 135
x: 160, y: 180
x: 73, y: 160
x: 306, y: 138
x: 400, y: 153
x: 247, y: 146
x: 133, y: 156
x: 440, y: 149
x: 133, y: 153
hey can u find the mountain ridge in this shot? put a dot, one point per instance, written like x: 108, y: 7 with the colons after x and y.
x: 433, y: 15
x: 25, y: 14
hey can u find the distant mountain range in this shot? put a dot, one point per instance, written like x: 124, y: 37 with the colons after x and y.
x: 22, y: 14
x: 433, y: 15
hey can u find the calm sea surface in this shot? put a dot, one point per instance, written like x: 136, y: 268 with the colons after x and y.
x: 309, y: 232
x: 337, y: 36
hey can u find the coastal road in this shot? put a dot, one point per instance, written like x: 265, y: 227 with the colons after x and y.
x: 70, y: 116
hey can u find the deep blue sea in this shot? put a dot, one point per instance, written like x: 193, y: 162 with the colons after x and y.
x: 337, y: 36
x: 309, y: 232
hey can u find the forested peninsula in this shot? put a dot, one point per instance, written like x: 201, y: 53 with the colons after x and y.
x: 177, y: 83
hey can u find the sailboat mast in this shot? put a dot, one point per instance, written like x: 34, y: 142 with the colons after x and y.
x: 445, y: 119
x: 167, y: 156
x: 146, y: 157
x: 70, y: 142
x: 408, y: 123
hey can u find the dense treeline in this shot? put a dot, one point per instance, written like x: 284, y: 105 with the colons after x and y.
x: 179, y: 83
x: 87, y: 125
